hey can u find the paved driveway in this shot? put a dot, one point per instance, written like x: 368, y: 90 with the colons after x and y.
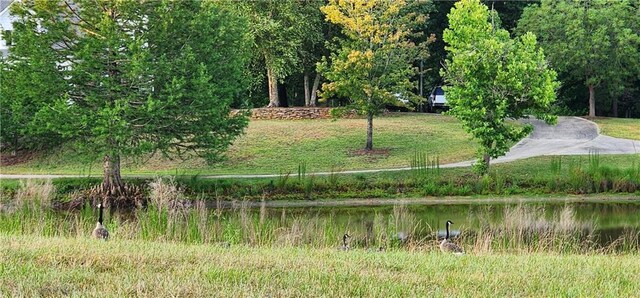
x: 571, y: 136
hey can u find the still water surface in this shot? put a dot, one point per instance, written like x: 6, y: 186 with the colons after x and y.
x: 607, y: 220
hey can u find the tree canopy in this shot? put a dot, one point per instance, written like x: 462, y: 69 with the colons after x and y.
x: 30, y: 80
x: 592, y: 42
x: 280, y: 29
x: 139, y: 78
x: 492, y: 77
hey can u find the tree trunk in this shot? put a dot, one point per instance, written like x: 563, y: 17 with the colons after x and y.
x: 592, y: 101
x: 614, y: 107
x: 14, y: 150
x: 112, y: 185
x: 274, y: 100
x: 314, y: 90
x: 369, y: 132
x: 307, y: 92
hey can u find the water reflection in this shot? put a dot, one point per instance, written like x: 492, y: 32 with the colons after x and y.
x: 551, y: 226
x: 596, y: 224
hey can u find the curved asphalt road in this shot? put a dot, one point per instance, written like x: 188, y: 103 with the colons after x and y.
x: 571, y: 136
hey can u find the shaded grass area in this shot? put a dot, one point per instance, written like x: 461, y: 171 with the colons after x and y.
x: 37, y: 266
x: 273, y: 146
x: 540, y: 175
x: 619, y: 127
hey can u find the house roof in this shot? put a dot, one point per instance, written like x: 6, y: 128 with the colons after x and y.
x: 4, y: 4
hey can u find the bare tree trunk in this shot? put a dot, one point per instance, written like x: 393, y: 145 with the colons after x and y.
x: 369, y: 132
x: 14, y: 150
x: 314, y: 90
x: 112, y: 185
x: 614, y: 107
x: 592, y: 101
x: 274, y: 100
x: 307, y: 92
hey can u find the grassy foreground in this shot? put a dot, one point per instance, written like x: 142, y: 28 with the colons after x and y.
x: 619, y: 127
x: 36, y: 266
x: 273, y: 146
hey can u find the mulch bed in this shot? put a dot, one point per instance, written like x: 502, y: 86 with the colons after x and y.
x: 371, y: 155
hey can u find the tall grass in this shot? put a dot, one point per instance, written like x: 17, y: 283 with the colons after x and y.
x: 423, y: 167
x: 34, y: 193
x: 60, y: 267
x: 528, y: 229
x: 523, y: 229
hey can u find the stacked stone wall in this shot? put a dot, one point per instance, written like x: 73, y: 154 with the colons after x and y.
x: 294, y: 113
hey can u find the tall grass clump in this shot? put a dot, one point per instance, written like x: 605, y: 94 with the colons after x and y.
x: 168, y: 212
x: 172, y: 216
x: 34, y: 193
x: 164, y: 193
x: 302, y: 171
x: 629, y: 241
x: 423, y: 167
x: 528, y: 229
x: 282, y: 181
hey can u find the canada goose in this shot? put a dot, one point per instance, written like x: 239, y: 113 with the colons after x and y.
x: 100, y: 232
x: 448, y: 246
x: 344, y: 245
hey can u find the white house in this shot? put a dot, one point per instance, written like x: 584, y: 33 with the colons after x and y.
x: 5, y: 25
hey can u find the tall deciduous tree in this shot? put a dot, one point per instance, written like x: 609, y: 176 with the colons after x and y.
x: 589, y: 40
x: 312, y: 49
x: 492, y: 77
x: 374, y: 61
x: 143, y: 77
x: 279, y: 29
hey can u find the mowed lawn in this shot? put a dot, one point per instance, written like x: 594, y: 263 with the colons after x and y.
x: 280, y: 146
x: 625, y: 128
x: 38, y: 266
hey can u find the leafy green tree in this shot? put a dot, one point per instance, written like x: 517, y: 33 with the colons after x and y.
x: 279, y: 29
x: 592, y: 41
x: 492, y: 77
x: 29, y: 81
x: 374, y: 61
x: 143, y: 77
x: 312, y: 50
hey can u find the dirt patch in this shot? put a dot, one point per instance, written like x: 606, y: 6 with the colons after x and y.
x: 370, y: 155
x: 8, y: 159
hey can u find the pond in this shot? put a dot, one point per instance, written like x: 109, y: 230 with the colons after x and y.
x: 606, y: 222
x: 555, y: 225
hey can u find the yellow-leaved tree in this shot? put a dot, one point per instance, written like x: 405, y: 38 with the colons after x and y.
x: 372, y: 65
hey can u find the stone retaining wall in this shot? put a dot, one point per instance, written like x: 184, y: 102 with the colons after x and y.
x: 294, y: 113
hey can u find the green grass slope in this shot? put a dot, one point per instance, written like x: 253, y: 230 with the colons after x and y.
x: 274, y: 146
x: 619, y: 127
x: 35, y: 266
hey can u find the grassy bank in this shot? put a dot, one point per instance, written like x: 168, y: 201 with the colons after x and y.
x: 273, y: 146
x: 619, y: 127
x: 540, y: 175
x: 36, y: 266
